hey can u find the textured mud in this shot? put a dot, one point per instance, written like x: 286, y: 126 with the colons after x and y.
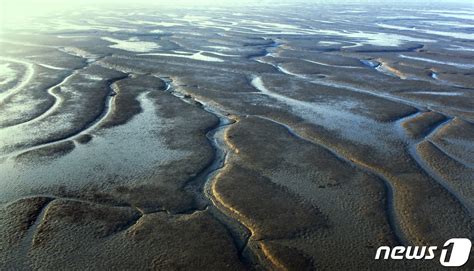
x: 271, y: 138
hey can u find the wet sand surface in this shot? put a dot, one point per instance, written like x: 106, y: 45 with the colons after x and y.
x: 291, y: 137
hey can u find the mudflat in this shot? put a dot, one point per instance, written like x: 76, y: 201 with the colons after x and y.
x: 267, y: 137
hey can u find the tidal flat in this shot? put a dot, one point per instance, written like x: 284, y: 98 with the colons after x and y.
x: 252, y: 137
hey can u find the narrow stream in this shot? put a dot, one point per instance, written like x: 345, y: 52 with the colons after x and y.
x: 200, y: 185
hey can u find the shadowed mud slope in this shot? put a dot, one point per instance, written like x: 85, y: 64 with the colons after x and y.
x: 263, y: 137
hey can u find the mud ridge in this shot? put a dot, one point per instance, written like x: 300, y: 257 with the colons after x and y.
x: 389, y: 190
x: 94, y: 123
x: 199, y: 184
